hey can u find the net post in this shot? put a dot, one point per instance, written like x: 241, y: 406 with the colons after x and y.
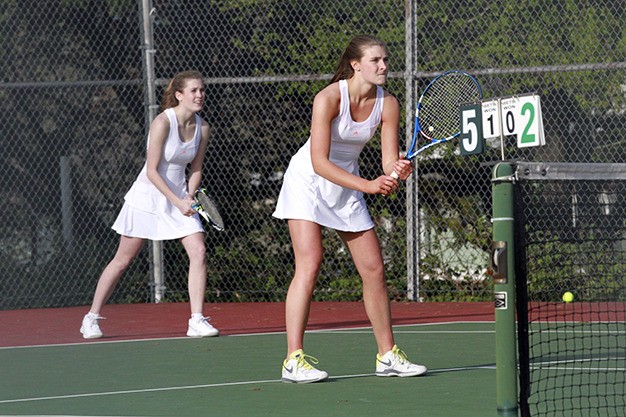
x: 503, y: 260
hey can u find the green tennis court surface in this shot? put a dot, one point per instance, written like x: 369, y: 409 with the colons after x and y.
x: 240, y: 376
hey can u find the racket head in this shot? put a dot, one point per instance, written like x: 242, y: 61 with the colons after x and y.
x: 437, y: 116
x: 207, y: 207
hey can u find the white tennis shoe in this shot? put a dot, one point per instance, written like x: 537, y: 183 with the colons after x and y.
x: 90, y: 327
x: 395, y: 363
x: 200, y: 327
x: 298, y: 370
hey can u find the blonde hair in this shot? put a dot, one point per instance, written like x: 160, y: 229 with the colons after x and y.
x: 354, y: 52
x: 177, y: 84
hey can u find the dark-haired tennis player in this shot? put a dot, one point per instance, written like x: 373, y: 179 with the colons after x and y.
x: 322, y: 188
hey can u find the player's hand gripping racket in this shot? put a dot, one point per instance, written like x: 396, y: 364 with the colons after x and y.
x: 206, y: 206
x: 437, y: 116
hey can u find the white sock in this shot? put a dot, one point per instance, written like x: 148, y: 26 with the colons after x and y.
x: 197, y: 316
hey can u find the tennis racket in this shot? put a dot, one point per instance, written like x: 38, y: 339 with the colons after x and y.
x: 206, y: 207
x: 437, y: 116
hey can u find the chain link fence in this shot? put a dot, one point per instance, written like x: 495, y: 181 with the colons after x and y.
x: 80, y: 81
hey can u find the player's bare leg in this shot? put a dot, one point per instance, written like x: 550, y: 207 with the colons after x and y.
x: 127, y: 250
x: 198, y: 325
x: 306, y: 238
x: 196, y: 251
x: 365, y: 250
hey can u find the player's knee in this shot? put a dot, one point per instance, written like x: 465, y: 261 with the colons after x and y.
x: 197, y: 253
x: 373, y: 271
x: 304, y: 282
x: 310, y: 256
x: 309, y: 265
x: 121, y: 263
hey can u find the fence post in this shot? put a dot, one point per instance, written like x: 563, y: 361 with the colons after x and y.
x: 67, y: 213
x: 156, y: 255
x: 412, y: 218
x: 502, y: 268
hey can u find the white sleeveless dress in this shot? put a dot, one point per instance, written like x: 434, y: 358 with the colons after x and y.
x: 307, y: 196
x: 147, y: 213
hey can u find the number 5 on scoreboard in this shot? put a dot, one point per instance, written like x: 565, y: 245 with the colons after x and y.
x: 471, y: 136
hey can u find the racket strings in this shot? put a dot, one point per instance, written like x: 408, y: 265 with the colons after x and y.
x: 211, y: 210
x: 438, y: 114
x: 207, y: 205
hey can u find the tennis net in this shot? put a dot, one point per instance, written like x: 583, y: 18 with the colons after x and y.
x: 570, y: 234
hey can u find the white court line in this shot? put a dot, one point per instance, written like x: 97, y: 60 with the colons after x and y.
x: 136, y: 391
x: 415, y: 332
x: 216, y: 385
x: 226, y: 384
x: 160, y: 339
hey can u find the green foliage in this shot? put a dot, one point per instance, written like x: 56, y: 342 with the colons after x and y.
x: 440, y: 282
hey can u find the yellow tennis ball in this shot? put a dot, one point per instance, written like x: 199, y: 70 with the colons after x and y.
x: 568, y: 297
x: 430, y: 128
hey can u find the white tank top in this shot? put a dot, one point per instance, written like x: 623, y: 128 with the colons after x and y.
x: 348, y: 138
x: 308, y: 196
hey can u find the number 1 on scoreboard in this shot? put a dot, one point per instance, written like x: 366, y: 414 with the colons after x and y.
x: 491, y: 119
x: 492, y: 124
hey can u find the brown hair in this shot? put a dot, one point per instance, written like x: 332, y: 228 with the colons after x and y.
x: 354, y: 52
x: 177, y: 83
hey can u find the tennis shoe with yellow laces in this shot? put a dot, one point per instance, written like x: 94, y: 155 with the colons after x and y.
x: 395, y: 363
x: 297, y: 369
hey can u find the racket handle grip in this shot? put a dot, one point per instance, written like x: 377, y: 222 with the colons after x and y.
x: 394, y: 175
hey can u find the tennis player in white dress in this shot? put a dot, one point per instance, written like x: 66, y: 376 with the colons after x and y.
x: 147, y: 213
x: 322, y: 188
x: 158, y: 205
x: 308, y: 196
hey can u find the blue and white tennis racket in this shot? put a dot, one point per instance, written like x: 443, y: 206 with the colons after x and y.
x: 437, y: 116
